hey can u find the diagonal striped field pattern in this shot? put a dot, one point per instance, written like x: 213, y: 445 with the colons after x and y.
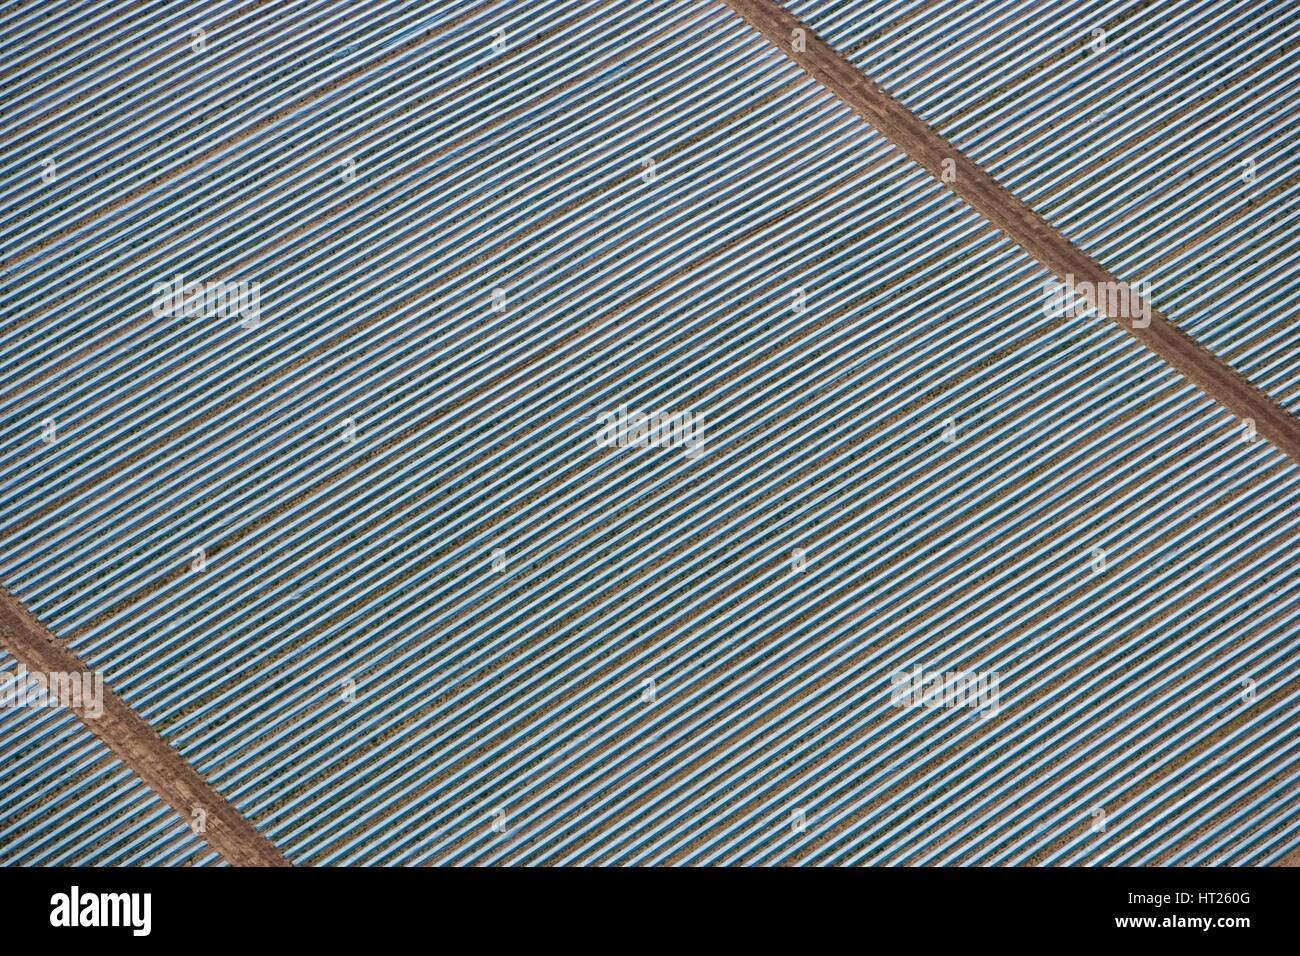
x: 433, y: 620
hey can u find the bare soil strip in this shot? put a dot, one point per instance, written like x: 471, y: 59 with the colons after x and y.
x: 1025, y: 227
x: 138, y: 745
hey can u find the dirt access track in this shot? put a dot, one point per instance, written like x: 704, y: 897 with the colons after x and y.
x: 138, y: 745
x: 1030, y: 231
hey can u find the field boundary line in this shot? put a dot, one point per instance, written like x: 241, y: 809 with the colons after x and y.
x: 139, y: 746
x: 1043, y: 242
